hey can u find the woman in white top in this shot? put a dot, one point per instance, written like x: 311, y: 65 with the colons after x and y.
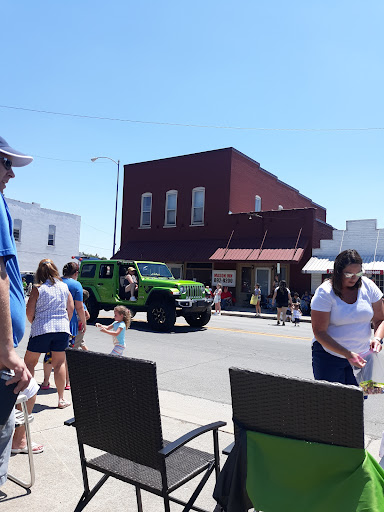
x: 49, y: 309
x: 342, y: 310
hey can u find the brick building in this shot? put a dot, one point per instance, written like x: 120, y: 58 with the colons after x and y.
x: 219, y: 210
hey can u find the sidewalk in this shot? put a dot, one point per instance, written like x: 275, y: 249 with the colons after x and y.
x: 250, y: 313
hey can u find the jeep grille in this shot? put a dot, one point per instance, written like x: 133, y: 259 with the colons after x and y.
x: 194, y: 291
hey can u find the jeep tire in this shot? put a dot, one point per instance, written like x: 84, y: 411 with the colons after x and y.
x: 199, y: 319
x: 93, y: 308
x: 161, y: 315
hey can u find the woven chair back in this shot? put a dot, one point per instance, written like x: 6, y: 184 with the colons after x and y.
x: 297, y: 408
x: 116, y: 405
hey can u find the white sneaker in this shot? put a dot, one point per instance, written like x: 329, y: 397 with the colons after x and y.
x: 133, y: 299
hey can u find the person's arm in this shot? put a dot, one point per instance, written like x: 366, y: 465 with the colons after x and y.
x: 8, y: 356
x: 80, y: 312
x: 87, y: 315
x: 320, y: 324
x: 70, y: 306
x: 289, y: 299
x: 31, y: 305
x: 378, y: 325
x: 274, y: 297
x: 112, y: 333
x: 104, y: 327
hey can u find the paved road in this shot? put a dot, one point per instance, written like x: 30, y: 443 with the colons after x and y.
x: 195, y: 362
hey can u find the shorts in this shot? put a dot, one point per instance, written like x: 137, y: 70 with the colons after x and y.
x: 117, y: 350
x: 279, y: 306
x: 6, y: 434
x: 79, y: 340
x: 50, y: 342
x: 331, y: 368
x: 217, y: 299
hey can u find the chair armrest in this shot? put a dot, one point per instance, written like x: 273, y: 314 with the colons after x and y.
x: 171, y: 447
x: 227, y: 450
x: 70, y: 423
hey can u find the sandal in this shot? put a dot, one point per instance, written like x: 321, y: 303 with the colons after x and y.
x: 36, y: 448
x: 67, y: 387
x: 63, y: 404
x: 45, y: 387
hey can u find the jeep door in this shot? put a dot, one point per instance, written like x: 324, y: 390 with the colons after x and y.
x: 106, y: 282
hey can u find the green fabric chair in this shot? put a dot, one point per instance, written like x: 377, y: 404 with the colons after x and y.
x: 299, y: 447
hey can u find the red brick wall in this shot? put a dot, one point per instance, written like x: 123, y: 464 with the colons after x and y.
x: 210, y: 170
x: 249, y: 180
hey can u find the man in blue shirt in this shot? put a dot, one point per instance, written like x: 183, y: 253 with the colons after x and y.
x: 12, y: 302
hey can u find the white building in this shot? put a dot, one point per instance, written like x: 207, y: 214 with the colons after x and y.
x: 42, y: 233
x: 361, y: 235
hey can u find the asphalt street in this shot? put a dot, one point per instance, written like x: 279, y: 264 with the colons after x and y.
x: 195, y: 362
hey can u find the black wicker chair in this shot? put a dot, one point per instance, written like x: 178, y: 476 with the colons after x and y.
x: 303, y: 409
x: 116, y: 406
x: 308, y: 410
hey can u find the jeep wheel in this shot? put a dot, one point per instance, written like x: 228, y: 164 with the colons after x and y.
x: 161, y: 316
x: 199, y: 319
x: 93, y: 308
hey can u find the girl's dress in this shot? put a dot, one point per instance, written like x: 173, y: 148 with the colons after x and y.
x: 119, y: 340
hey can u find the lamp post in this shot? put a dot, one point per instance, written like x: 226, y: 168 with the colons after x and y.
x: 117, y: 195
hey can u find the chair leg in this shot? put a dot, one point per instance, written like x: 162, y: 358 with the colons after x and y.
x: 138, y: 499
x: 167, y: 507
x: 26, y: 485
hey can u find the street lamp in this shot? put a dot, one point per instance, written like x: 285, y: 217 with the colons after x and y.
x: 117, y: 195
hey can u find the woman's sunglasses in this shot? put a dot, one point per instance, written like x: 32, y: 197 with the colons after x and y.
x: 7, y: 163
x: 349, y: 275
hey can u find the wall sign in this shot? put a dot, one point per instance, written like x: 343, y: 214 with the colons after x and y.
x: 224, y: 277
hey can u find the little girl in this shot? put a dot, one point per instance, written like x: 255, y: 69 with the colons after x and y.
x: 117, y: 329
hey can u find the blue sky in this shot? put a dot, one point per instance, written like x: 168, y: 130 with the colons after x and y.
x: 247, y: 64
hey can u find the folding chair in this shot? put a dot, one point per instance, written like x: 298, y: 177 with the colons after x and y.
x: 22, y: 418
x: 116, y: 406
x: 282, y: 422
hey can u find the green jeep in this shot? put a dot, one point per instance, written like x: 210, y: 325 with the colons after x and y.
x: 158, y: 293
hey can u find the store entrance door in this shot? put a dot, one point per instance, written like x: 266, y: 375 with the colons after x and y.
x: 263, y: 277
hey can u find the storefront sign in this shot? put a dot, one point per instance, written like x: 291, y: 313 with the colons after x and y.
x: 224, y: 277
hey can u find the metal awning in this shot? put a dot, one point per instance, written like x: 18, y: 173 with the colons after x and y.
x: 274, y: 250
x: 324, y: 265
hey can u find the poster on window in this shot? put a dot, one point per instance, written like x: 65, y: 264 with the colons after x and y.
x: 224, y: 277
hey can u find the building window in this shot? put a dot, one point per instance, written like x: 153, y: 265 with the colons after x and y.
x: 198, y: 200
x: 146, y: 209
x: 170, y: 208
x: 17, y: 230
x: 257, y: 204
x: 51, y: 235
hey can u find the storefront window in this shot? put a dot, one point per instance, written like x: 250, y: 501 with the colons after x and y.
x: 246, y: 276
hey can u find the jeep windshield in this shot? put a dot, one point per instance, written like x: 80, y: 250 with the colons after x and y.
x: 154, y: 270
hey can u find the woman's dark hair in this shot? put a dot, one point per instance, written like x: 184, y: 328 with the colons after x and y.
x: 70, y: 268
x: 46, y: 271
x: 345, y: 258
x: 283, y: 285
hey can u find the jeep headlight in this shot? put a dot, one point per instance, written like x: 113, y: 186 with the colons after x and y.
x: 182, y: 289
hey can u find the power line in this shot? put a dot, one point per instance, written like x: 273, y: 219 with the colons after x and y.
x: 162, y: 123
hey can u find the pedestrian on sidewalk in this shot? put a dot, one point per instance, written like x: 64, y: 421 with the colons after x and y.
x: 342, y: 310
x: 217, y: 299
x: 296, y: 314
x: 12, y: 306
x: 282, y: 296
x: 257, y: 294
x: 49, y: 309
x: 117, y: 329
